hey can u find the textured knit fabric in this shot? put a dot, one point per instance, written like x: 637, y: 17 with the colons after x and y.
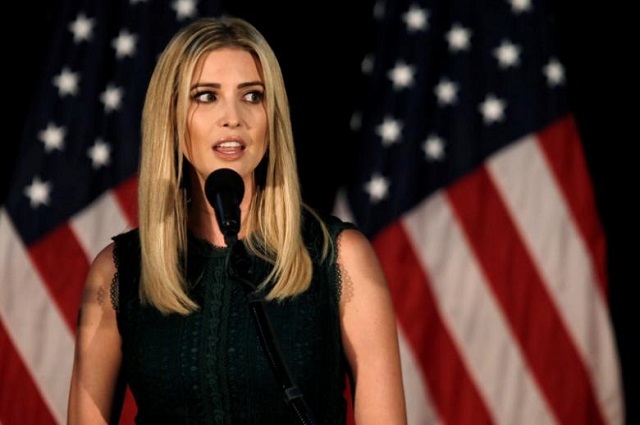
x: 209, y: 367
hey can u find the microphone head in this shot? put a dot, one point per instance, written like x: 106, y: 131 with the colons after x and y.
x: 224, y: 190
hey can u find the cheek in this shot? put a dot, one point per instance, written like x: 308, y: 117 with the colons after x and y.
x: 197, y: 130
x: 194, y: 136
x: 195, y: 124
x: 261, y: 128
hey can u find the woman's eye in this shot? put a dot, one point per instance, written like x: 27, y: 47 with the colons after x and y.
x: 204, y: 97
x: 254, y: 96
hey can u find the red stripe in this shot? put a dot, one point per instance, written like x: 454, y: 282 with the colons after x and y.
x: 63, y: 266
x: 129, y: 409
x: 519, y: 289
x: 561, y: 144
x: 20, y: 401
x: 347, y: 395
x: 127, y: 196
x: 453, y: 391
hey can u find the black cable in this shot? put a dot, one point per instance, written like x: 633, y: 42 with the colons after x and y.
x: 239, y: 268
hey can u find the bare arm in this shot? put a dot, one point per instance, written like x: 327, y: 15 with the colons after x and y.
x: 97, y: 351
x: 369, y: 334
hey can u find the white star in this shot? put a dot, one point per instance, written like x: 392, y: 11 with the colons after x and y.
x: 125, y: 44
x: 415, y: 18
x: 100, y: 154
x: 492, y: 109
x: 38, y: 192
x: 52, y: 137
x: 184, y: 9
x: 111, y: 97
x: 377, y: 188
x: 81, y: 28
x: 519, y: 6
x: 401, y: 75
x: 458, y: 38
x: 433, y: 148
x: 66, y: 82
x: 508, y: 54
x: 447, y: 92
x: 554, y: 71
x: 389, y: 131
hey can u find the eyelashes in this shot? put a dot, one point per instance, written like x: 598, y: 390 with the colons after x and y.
x: 210, y: 96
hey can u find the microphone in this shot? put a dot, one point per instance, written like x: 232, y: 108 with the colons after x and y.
x: 224, y: 190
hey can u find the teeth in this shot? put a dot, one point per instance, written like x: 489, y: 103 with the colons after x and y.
x: 230, y: 144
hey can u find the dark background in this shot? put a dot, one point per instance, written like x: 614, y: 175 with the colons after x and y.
x: 320, y: 49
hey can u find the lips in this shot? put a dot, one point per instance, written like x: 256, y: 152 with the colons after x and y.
x: 229, y: 147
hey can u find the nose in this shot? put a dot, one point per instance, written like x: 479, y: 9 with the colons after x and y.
x: 230, y: 115
x: 231, y: 123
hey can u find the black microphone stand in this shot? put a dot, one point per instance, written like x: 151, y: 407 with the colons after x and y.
x: 238, y: 265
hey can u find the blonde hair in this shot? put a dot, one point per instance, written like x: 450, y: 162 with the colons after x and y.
x: 274, y: 222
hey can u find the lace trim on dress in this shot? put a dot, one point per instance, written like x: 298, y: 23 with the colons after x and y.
x: 115, y: 287
x: 344, y: 284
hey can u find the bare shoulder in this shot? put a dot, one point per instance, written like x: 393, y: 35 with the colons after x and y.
x: 359, y: 267
x: 353, y: 246
x: 103, y: 266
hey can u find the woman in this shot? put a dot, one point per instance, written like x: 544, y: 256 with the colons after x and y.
x: 160, y: 308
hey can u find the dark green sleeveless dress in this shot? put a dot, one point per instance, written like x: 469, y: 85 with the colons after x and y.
x: 209, y: 367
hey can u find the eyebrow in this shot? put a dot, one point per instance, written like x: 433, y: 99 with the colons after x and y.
x: 217, y: 85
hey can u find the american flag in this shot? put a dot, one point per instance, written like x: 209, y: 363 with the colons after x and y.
x: 471, y: 182
x: 74, y: 187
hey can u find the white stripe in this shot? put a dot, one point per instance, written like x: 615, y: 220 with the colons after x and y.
x: 542, y: 217
x: 34, y: 323
x: 97, y: 223
x: 420, y: 409
x: 473, y: 317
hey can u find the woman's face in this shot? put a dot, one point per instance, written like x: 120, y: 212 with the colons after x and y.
x: 227, y: 119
